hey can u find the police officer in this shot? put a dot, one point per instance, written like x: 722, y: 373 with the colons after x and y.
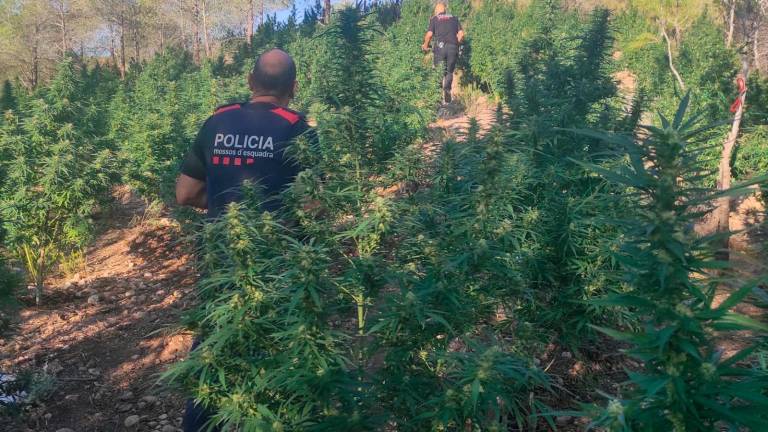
x: 246, y: 141
x: 448, y: 34
x: 239, y: 142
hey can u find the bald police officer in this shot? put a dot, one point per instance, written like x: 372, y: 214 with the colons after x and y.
x: 239, y: 142
x: 246, y: 141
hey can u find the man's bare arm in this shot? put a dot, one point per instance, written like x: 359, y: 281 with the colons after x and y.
x: 191, y: 192
x: 427, y: 38
x: 460, y: 36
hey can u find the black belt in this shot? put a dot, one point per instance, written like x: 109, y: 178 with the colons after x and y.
x: 441, y: 45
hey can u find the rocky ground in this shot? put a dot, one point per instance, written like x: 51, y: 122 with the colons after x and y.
x: 102, y: 336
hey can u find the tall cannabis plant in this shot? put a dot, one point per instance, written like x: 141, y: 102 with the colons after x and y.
x: 55, y: 178
x: 461, y: 253
x: 686, y: 384
x: 56, y: 175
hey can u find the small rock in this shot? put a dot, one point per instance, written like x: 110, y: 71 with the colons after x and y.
x: 125, y: 407
x: 164, y: 422
x: 168, y: 428
x: 64, y: 430
x: 153, y: 424
x: 47, y: 416
x: 566, y: 354
x: 135, y: 357
x: 563, y: 420
x: 149, y: 399
x: 129, y: 293
x: 94, y: 371
x: 147, y: 275
x: 126, y: 396
x: 54, y: 367
x: 72, y: 397
x: 93, y: 300
x: 131, y: 421
x: 163, y: 416
x: 160, y: 293
x: 141, y: 405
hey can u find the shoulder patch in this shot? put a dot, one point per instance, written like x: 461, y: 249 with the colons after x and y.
x: 226, y: 108
x: 292, y: 117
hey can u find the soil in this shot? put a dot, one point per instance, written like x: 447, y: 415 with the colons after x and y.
x: 103, y: 335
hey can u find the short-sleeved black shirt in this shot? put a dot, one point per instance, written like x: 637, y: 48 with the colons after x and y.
x: 444, y: 28
x: 244, y: 142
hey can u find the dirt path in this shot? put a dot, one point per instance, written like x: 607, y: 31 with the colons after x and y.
x: 101, y: 337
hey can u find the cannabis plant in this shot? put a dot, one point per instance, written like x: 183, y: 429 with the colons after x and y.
x: 56, y: 176
x: 686, y: 383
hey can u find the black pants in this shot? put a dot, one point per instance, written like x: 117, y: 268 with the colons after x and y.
x: 195, y: 415
x: 448, y: 55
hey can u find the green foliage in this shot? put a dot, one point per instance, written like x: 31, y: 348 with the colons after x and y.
x: 344, y: 335
x: 706, y: 65
x: 9, y: 283
x: 415, y: 292
x: 7, y: 97
x: 56, y: 175
x: 155, y: 120
x: 686, y: 384
x: 494, y: 37
x: 403, y: 68
x: 751, y: 154
x: 561, y: 80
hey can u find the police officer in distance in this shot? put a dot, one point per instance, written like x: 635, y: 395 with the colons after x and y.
x: 448, y: 34
x: 239, y: 142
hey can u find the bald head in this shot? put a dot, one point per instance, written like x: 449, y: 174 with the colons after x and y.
x: 274, y: 74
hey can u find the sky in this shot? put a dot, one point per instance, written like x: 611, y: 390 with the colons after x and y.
x: 282, y: 15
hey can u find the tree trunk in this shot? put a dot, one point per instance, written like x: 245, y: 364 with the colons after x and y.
x: 731, y: 24
x: 261, y: 13
x: 112, y: 50
x: 183, y: 21
x: 137, y: 42
x: 723, y: 210
x: 327, y: 12
x: 196, y: 31
x: 249, y: 24
x: 206, y: 40
x: 122, y: 47
x: 36, y: 57
x: 162, y: 36
x: 63, y: 26
x: 756, y: 48
x: 669, y: 56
